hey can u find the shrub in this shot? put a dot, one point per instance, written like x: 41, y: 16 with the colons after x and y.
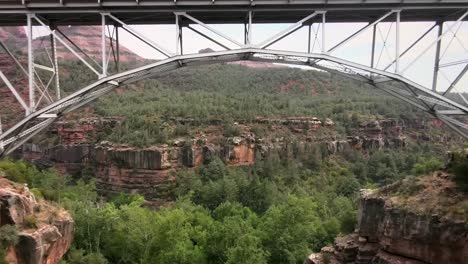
x: 8, y: 236
x: 426, y: 166
x: 231, y: 130
x: 30, y: 221
x: 181, y: 130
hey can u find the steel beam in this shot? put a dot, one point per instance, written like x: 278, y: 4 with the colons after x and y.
x: 14, y: 92
x: 209, y: 38
x: 96, y: 89
x: 436, y: 41
x: 280, y: 35
x: 103, y: 45
x: 324, y: 23
x: 141, y: 36
x: 30, y: 64
x: 457, y: 79
x: 397, y: 42
x: 57, y: 30
x: 53, y: 45
x: 412, y: 45
x: 373, y: 46
x: 360, y: 31
x: 53, y: 32
x: 117, y: 47
x: 440, y: 25
x: 211, y: 29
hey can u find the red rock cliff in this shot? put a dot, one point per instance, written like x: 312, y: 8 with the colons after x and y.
x: 49, y: 240
x: 416, y: 221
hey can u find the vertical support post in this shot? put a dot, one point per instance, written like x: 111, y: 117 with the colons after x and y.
x: 181, y: 40
x: 308, y: 38
x: 245, y: 33
x: 437, y: 56
x: 373, y: 46
x: 249, y: 32
x: 117, y: 47
x: 30, y: 64
x: 177, y: 29
x: 103, y: 45
x: 397, y: 42
x: 53, y: 46
x: 324, y: 49
x: 178, y: 25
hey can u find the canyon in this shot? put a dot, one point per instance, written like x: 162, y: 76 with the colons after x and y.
x: 390, y: 230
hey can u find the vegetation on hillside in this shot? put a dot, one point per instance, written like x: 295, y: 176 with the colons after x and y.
x: 276, y: 211
x: 230, y: 93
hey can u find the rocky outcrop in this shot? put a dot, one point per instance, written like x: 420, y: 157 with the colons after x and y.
x: 149, y: 171
x: 394, y: 228
x: 45, y: 231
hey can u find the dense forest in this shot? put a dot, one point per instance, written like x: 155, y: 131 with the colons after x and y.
x: 276, y: 211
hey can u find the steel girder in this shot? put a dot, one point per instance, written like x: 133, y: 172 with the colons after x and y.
x: 435, y: 102
x: 400, y: 87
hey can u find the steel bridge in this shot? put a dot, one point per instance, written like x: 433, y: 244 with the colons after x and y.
x: 45, y: 102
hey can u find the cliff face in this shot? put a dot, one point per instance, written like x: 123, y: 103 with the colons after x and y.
x: 150, y: 171
x: 45, y: 241
x: 419, y: 221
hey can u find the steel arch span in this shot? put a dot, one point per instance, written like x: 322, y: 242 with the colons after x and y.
x: 45, y: 104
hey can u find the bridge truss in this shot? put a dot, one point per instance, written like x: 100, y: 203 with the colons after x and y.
x: 45, y: 103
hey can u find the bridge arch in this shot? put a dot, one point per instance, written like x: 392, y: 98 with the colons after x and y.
x: 396, y: 85
x: 447, y: 15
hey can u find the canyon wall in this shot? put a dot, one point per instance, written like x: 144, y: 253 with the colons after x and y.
x: 423, y: 222
x: 43, y: 240
x: 150, y: 170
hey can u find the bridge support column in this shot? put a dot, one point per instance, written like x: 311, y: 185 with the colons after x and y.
x: 397, y: 42
x: 440, y: 25
x: 373, y: 46
x: 324, y: 22
x: 117, y: 48
x: 103, y: 45
x: 30, y: 64
x: 53, y: 46
x: 178, y: 28
x: 248, y: 33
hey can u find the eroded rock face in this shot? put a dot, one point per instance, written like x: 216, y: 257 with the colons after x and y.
x: 149, y: 171
x: 46, y: 243
x: 427, y: 238
x: 391, y: 234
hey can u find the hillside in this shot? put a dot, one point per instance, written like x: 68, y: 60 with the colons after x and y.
x: 191, y: 98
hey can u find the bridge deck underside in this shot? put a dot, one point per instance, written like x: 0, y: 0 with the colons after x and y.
x: 73, y: 12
